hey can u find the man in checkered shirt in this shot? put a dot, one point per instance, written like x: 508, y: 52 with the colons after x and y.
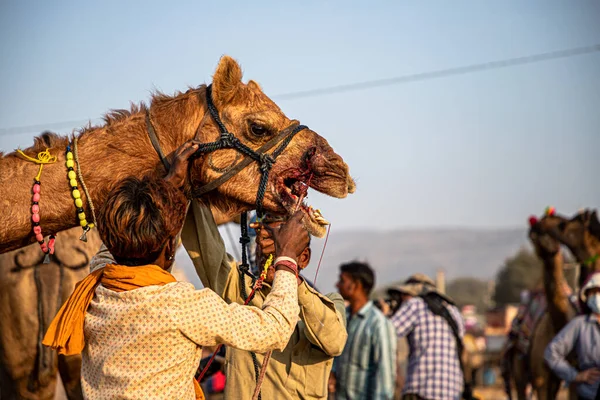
x: 434, y: 371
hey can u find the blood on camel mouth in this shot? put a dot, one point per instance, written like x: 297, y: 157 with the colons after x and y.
x: 293, y: 192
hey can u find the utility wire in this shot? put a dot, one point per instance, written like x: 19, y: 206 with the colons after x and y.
x: 511, y: 62
x: 17, y: 130
x: 423, y: 76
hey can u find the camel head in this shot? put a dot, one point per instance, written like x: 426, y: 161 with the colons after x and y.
x: 581, y: 234
x: 254, y: 119
x: 540, y: 234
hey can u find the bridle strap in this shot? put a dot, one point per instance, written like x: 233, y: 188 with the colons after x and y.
x: 244, y: 163
x: 228, y: 140
x: 155, y: 142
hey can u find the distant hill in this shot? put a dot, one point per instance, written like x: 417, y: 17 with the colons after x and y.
x: 399, y: 253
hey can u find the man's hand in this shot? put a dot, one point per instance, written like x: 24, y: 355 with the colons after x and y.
x: 589, y: 376
x: 264, y: 240
x: 290, y: 238
x: 179, y: 167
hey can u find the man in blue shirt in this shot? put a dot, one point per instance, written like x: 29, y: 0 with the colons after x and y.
x: 583, y: 335
x: 366, y: 370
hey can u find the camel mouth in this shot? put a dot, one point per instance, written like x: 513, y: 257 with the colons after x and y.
x: 292, y: 190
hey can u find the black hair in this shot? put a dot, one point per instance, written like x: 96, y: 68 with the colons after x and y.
x: 361, y: 272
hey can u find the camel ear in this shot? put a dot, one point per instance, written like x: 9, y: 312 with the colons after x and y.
x: 227, y: 81
x: 594, y: 224
x: 254, y: 85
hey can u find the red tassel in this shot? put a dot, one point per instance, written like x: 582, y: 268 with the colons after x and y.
x: 51, y: 244
x: 533, y: 220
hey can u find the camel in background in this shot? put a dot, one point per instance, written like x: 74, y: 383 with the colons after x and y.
x: 31, y: 293
x: 530, y: 368
x: 581, y: 234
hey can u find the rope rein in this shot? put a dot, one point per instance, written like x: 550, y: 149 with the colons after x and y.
x: 256, y: 286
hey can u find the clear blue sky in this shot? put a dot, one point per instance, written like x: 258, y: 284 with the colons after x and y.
x: 484, y: 149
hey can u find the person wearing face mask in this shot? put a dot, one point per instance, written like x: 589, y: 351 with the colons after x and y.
x: 582, y: 334
x: 366, y: 370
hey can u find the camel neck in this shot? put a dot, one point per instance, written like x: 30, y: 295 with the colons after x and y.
x: 554, y: 286
x: 106, y: 155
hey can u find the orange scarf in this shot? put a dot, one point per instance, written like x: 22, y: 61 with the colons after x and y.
x: 66, y: 330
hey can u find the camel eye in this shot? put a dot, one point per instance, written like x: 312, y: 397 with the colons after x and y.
x: 258, y: 129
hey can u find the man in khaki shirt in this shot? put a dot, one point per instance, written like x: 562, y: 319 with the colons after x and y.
x: 301, y: 370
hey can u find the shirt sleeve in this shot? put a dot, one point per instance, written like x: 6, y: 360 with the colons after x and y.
x: 208, y: 320
x: 406, y: 317
x: 558, y: 349
x: 324, y: 319
x: 383, y: 353
x: 205, y: 246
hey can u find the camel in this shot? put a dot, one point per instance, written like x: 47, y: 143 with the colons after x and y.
x: 558, y: 308
x: 28, y: 370
x: 558, y: 313
x: 581, y: 234
x: 121, y: 147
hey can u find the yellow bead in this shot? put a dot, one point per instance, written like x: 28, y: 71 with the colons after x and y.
x: 81, y: 216
x: 83, y: 222
x: 72, y: 175
x: 91, y: 225
x: 76, y: 194
x: 78, y: 203
x: 69, y: 156
x: 70, y: 163
x: 73, y: 182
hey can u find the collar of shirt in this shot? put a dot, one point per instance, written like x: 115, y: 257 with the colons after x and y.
x: 362, y: 312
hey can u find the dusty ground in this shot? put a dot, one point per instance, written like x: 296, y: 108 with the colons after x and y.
x: 483, y: 393
x: 497, y: 393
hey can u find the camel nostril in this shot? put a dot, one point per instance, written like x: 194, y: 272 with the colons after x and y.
x: 351, y: 185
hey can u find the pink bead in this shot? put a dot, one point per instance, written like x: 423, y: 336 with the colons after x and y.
x: 51, y: 246
x: 36, y: 197
x: 39, y: 237
x: 35, y: 217
x: 36, y: 188
x: 44, y: 247
x: 35, y: 209
x: 37, y: 230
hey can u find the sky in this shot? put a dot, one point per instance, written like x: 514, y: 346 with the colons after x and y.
x: 478, y: 150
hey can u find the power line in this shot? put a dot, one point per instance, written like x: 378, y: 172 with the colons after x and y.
x: 17, y: 130
x: 423, y: 76
x: 511, y: 62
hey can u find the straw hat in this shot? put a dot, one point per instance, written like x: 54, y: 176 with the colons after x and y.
x: 419, y: 284
x: 414, y: 285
